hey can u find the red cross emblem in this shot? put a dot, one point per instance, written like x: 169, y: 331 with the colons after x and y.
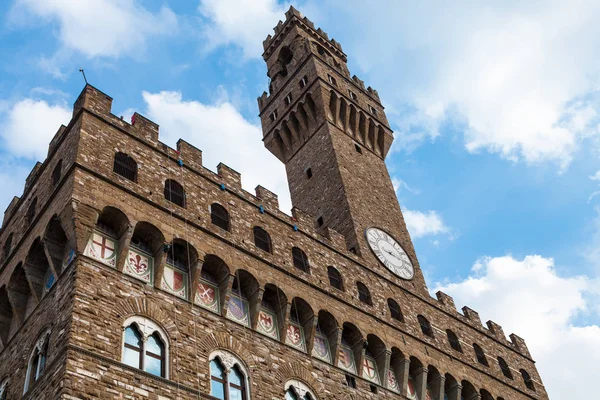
x: 103, y: 246
x: 368, y: 368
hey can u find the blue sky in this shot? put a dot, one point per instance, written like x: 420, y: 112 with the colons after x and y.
x: 494, y: 107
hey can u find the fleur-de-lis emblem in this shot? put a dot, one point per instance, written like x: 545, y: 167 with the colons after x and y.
x: 138, y: 264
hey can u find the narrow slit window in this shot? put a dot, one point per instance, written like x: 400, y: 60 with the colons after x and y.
x: 303, y: 81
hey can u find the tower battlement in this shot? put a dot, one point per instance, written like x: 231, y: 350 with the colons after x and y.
x: 128, y: 264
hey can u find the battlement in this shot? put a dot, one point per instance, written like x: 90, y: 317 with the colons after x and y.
x: 472, y: 318
x: 189, y: 156
x: 293, y: 16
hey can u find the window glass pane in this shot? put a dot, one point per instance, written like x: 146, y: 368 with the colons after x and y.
x: 131, y: 357
x: 153, y: 365
x: 217, y: 389
x: 216, y: 370
x: 235, y: 394
x: 290, y: 395
x: 154, y: 345
x: 133, y: 337
x: 235, y: 377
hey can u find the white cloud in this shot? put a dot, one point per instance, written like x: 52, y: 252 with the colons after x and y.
x: 596, y: 176
x: 29, y: 125
x: 521, y: 78
x: 421, y: 224
x: 245, y: 23
x: 528, y: 297
x: 98, y: 27
x: 223, y: 135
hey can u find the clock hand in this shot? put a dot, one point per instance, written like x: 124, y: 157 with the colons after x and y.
x: 392, y: 254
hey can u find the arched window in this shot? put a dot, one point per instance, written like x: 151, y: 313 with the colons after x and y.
x: 325, y: 339
x: 181, y: 256
x: 31, y: 211
x: 335, y: 278
x: 56, y: 173
x: 7, y: 247
x: 146, y: 243
x: 103, y: 244
x: 395, y: 311
x: 300, y: 259
x: 228, y: 377
x: 219, y: 216
x: 453, y: 340
x: 296, y: 390
x: 213, y: 281
x: 174, y: 192
x: 271, y: 311
x: 145, y: 346
x: 262, y: 240
x: 241, y: 306
x: 481, y: 358
x: 425, y: 326
x: 505, y: 368
x: 37, y: 360
x: 527, y: 379
x: 363, y: 293
x: 125, y: 166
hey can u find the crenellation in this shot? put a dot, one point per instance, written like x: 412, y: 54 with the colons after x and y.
x: 496, y: 330
x: 32, y: 175
x: 267, y: 42
x: 230, y: 177
x: 303, y: 220
x: 358, y: 81
x: 340, y: 187
x: 446, y: 301
x: 55, y: 139
x: 308, y: 22
x: 337, y: 240
x: 323, y: 33
x: 10, y: 209
x: 472, y: 317
x: 190, y: 154
x: 94, y: 100
x: 145, y: 128
x: 520, y: 345
x: 268, y: 198
x: 278, y: 27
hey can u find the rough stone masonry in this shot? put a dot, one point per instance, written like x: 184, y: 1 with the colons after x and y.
x: 70, y: 281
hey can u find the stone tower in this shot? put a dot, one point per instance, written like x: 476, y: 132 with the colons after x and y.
x: 128, y: 269
x: 332, y: 134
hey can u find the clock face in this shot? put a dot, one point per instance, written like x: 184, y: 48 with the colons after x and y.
x: 390, y: 253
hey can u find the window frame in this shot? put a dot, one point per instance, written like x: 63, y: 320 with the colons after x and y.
x: 57, y: 173
x: 395, y: 310
x: 453, y: 340
x: 505, y: 368
x: 527, y: 379
x: 300, y: 389
x: 426, y: 328
x: 222, y: 221
x: 168, y: 189
x: 480, y: 355
x: 39, y: 357
x: 366, y: 293
x: 338, y: 277
x: 229, y: 362
x: 300, y: 260
x: 147, y: 328
x: 125, y: 166
x: 267, y: 239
